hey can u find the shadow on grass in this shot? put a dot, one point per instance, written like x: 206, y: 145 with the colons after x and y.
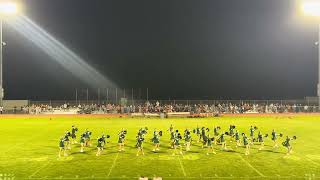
x: 268, y: 150
x: 85, y: 152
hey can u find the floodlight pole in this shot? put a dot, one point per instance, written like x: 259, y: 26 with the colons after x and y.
x: 318, y: 87
x: 1, y: 57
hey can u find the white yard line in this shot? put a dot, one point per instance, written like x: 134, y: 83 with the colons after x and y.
x: 42, y: 167
x: 21, y: 143
x: 233, y: 177
x: 65, y: 178
x: 199, y: 177
x: 251, y: 166
x: 310, y: 160
x: 113, y: 164
x: 182, y: 168
x: 313, y: 162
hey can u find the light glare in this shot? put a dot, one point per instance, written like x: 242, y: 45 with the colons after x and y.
x: 311, y: 8
x: 59, y: 52
x: 8, y: 8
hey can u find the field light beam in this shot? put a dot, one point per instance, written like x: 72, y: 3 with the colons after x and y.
x: 59, y: 52
x: 311, y: 8
x: 8, y: 8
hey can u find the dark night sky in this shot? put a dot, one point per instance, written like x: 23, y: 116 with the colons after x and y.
x: 178, y: 48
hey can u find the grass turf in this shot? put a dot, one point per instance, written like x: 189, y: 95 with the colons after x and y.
x: 29, y: 150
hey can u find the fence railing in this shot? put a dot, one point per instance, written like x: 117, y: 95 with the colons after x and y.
x: 194, y: 106
x: 55, y: 103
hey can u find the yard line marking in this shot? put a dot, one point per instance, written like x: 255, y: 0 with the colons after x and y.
x: 313, y: 162
x: 181, y: 165
x: 251, y: 166
x: 310, y: 160
x: 172, y: 177
x: 35, y: 172
x: 113, y: 164
x: 90, y: 177
x: 21, y: 143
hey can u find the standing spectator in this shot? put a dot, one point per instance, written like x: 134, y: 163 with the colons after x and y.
x: 295, y: 109
x: 314, y: 109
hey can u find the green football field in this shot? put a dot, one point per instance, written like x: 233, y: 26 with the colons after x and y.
x: 29, y: 149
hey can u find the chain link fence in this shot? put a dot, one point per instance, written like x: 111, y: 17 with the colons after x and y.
x: 124, y: 105
x: 128, y: 102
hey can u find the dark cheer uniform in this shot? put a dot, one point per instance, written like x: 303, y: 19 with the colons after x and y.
x: 142, y: 132
x: 231, y: 131
x: 245, y: 140
x: 260, y: 137
x: 140, y: 142
x: 237, y: 136
x: 82, y: 139
x: 73, y: 132
x: 251, y: 131
x: 287, y: 142
x: 87, y: 135
x: 61, y: 143
x: 175, y: 135
x: 171, y: 135
x: 103, y: 139
x: 209, y: 141
x: 215, y: 130
x: 198, y: 131
x: 121, y: 138
x: 203, y: 132
x: 205, y: 139
x: 176, y: 141
x: 222, y: 138
x: 274, y: 135
x: 187, y: 138
x: 100, y: 143
x: 156, y: 138
x: 66, y: 137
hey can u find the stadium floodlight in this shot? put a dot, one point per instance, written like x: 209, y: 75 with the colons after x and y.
x: 311, y: 8
x: 7, y: 8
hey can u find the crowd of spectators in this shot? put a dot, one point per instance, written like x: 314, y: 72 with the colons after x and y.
x: 156, y: 107
x: 199, y: 108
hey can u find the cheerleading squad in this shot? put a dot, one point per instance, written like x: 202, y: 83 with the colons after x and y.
x: 203, y: 135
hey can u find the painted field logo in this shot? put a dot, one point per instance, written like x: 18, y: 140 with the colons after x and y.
x: 7, y: 176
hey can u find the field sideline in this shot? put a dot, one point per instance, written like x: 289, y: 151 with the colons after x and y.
x: 29, y: 149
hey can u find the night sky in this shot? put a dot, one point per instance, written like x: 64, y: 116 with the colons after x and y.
x: 179, y: 49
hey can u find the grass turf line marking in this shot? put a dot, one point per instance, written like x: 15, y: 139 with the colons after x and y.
x: 182, y: 168
x: 313, y: 162
x: 113, y: 164
x: 42, y: 167
x: 21, y: 143
x: 202, y: 177
x: 251, y: 166
x: 310, y: 160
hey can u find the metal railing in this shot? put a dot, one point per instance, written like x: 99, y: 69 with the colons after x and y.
x: 55, y: 103
x: 307, y: 105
